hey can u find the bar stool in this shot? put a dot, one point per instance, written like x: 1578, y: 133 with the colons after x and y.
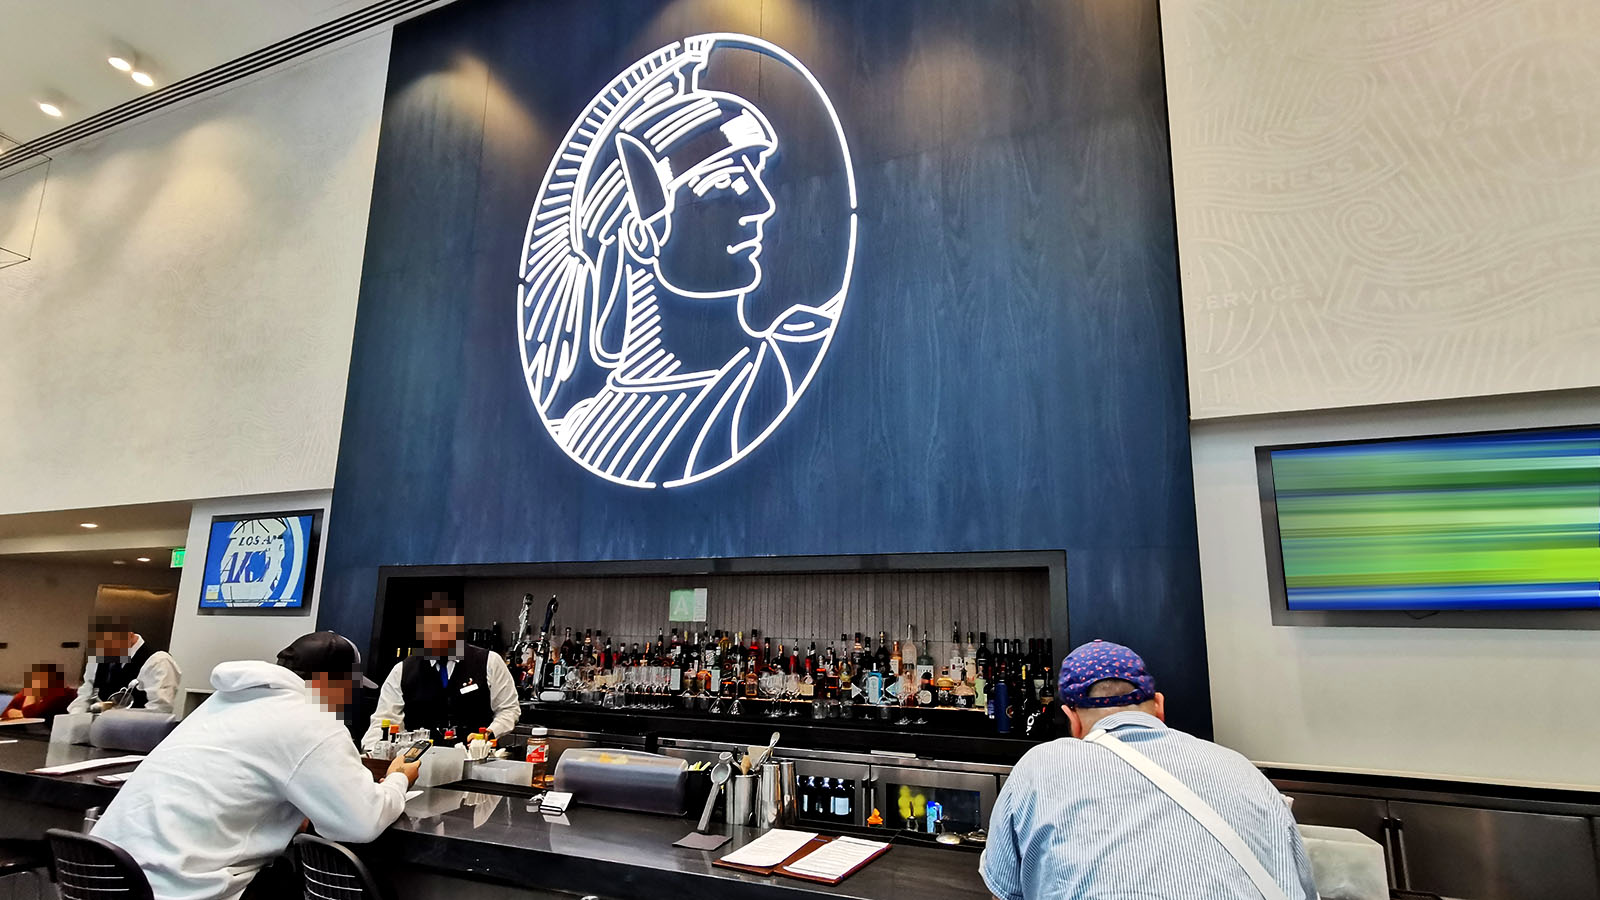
x: 20, y: 858
x: 91, y: 868
x: 331, y: 872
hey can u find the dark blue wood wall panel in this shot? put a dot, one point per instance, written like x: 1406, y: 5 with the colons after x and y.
x: 1008, y: 372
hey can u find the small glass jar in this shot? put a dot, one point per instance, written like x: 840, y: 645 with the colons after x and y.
x: 538, y: 754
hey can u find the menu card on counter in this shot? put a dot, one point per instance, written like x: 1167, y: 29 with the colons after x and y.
x: 834, y: 861
x: 87, y: 765
x: 804, y: 855
x: 769, y: 851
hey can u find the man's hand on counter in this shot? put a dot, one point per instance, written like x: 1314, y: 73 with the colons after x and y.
x: 411, y: 770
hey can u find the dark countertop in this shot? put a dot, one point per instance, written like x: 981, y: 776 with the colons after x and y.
x: 33, y: 750
x: 588, y: 851
x: 619, y: 854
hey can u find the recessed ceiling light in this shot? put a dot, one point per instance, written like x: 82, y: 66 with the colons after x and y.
x: 50, y: 109
x: 120, y: 64
x: 87, y: 525
x: 119, y: 562
x: 144, y: 559
x: 143, y: 79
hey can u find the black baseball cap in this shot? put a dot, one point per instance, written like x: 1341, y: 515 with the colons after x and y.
x: 323, y: 651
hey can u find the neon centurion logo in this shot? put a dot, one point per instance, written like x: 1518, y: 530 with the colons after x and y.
x: 644, y: 347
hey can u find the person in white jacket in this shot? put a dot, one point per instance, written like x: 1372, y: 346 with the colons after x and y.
x: 227, y: 790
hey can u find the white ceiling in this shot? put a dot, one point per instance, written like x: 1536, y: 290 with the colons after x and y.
x: 56, y: 50
x: 120, y: 532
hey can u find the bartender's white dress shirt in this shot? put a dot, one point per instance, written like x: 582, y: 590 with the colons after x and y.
x: 225, y: 792
x: 158, y: 678
x: 502, y: 698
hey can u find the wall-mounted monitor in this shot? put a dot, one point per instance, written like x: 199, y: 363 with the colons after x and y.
x: 1489, y: 529
x: 265, y: 561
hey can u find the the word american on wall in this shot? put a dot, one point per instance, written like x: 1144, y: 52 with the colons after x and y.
x: 657, y: 349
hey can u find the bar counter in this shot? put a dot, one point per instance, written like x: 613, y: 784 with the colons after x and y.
x: 496, y: 838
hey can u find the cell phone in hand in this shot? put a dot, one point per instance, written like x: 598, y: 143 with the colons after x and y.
x: 416, y: 751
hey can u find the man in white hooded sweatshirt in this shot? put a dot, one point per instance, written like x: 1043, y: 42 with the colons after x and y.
x: 225, y: 792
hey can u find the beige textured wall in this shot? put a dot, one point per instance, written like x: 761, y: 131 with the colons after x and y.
x: 43, y: 604
x: 199, y: 641
x: 1385, y: 200
x: 183, y: 329
x: 1458, y: 702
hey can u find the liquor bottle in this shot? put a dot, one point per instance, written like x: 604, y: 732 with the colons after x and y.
x: 1039, y: 669
x: 567, y: 649
x: 752, y: 684
x: 969, y: 659
x: 895, y: 662
x: 925, y: 688
x: 883, y: 653
x: 999, y: 699
x: 766, y: 655
x: 875, y: 684
x: 957, y: 661
x: 982, y: 656
x: 964, y: 696
x: 925, y: 662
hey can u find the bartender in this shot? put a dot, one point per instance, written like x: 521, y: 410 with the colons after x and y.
x: 451, y: 685
x: 123, y: 669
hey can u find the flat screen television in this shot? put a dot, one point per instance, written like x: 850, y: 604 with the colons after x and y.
x: 1490, y: 529
x: 263, y: 561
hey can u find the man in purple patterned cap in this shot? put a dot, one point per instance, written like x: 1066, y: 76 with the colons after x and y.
x: 1128, y: 807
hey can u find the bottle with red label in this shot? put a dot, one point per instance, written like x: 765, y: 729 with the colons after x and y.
x: 538, y: 754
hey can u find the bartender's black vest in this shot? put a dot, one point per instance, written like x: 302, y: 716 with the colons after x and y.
x: 111, y: 675
x: 429, y: 704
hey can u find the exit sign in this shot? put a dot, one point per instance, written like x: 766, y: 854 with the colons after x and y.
x: 177, y: 558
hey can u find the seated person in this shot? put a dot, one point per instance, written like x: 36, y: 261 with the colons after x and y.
x: 122, y: 666
x: 1077, y: 818
x: 43, y: 696
x: 227, y: 790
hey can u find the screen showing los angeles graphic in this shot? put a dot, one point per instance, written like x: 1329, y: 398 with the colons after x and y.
x: 1503, y: 521
x: 260, y: 562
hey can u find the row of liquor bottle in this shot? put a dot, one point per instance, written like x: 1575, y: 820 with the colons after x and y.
x: 1012, y: 682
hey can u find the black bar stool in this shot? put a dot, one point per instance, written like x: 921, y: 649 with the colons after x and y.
x: 331, y: 872
x: 23, y: 858
x: 91, y: 868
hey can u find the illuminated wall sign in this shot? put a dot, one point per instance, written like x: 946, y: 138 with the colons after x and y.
x: 258, y: 562
x: 641, y: 275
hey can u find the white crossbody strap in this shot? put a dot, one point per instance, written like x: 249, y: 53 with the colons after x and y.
x: 1200, y: 810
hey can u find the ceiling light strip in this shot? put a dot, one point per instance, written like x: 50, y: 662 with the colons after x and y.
x: 333, y: 31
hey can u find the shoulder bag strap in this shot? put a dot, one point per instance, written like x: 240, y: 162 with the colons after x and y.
x: 1197, y: 808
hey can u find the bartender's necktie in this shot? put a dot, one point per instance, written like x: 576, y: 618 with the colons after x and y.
x: 444, y: 672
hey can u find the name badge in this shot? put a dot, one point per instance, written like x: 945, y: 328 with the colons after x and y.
x: 469, y: 688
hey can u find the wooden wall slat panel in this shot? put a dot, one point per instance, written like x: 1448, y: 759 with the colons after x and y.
x: 788, y: 608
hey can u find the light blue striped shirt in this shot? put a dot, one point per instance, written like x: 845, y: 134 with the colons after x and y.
x: 1074, y: 820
